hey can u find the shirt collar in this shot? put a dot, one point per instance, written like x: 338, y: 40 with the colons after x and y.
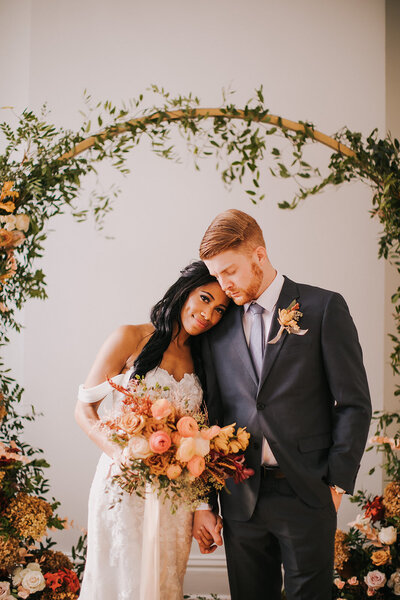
x: 269, y: 297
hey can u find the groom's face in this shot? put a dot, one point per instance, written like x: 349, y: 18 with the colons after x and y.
x: 239, y: 274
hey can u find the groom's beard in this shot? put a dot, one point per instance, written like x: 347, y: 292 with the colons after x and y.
x: 242, y: 296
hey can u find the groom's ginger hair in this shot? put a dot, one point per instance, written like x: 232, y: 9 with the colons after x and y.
x: 229, y: 230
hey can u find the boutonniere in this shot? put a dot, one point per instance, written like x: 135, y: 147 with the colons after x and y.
x: 287, y: 319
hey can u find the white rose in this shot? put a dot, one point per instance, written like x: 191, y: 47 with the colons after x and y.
x: 388, y: 535
x: 33, y: 579
x: 394, y: 582
x: 375, y: 579
x: 138, y: 447
x: 17, y: 576
x: 202, y: 446
x: 10, y: 222
x: 22, y: 222
x: 4, y: 590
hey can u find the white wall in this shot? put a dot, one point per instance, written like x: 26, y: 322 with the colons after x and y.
x: 318, y: 60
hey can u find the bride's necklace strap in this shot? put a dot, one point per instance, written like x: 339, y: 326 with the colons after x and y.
x: 98, y: 392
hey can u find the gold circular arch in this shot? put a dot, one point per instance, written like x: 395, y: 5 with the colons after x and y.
x: 207, y: 113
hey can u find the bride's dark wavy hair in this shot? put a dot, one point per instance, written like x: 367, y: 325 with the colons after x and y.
x: 166, y: 313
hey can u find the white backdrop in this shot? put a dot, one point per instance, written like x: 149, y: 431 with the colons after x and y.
x: 318, y: 60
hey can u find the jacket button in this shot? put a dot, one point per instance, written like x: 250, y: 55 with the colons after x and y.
x: 260, y: 406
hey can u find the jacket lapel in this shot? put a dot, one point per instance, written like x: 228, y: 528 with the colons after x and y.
x: 288, y: 293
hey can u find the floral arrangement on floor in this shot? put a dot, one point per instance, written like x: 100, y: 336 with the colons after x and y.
x: 175, y: 453
x: 29, y: 568
x: 367, y: 558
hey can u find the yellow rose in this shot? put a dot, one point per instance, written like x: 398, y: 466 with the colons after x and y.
x: 381, y: 557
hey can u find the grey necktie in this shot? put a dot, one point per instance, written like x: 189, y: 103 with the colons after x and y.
x: 256, y: 343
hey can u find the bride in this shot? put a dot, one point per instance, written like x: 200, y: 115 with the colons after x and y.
x: 124, y: 562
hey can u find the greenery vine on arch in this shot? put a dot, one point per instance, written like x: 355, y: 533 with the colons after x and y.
x: 42, y: 166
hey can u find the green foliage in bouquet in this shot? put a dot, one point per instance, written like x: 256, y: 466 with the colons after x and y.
x: 367, y: 558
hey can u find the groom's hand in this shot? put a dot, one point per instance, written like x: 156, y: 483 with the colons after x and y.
x: 207, y: 530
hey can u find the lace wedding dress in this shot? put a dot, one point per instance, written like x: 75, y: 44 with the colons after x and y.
x: 138, y: 549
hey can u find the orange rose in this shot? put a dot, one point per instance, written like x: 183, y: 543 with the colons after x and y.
x: 196, y: 465
x: 6, y: 238
x: 159, y: 442
x: 173, y: 471
x: 131, y: 423
x: 187, y: 427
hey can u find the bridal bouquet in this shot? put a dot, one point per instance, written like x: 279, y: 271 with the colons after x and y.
x: 177, y: 454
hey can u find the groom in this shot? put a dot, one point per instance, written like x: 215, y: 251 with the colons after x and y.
x: 305, y: 401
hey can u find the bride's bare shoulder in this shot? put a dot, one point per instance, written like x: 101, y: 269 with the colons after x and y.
x: 134, y: 336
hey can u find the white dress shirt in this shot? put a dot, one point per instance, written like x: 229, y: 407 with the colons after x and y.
x: 267, y: 300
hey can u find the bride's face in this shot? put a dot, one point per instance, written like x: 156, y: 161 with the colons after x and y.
x: 204, y: 308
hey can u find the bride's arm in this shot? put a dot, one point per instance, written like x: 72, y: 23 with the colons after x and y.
x: 110, y: 361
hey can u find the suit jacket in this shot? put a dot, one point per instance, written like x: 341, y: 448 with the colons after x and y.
x: 312, y: 402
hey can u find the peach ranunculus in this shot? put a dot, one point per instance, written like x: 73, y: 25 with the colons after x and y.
x: 161, y: 408
x: 209, y: 434
x: 339, y: 583
x: 196, y: 465
x: 159, y: 442
x: 18, y: 238
x: 22, y: 222
x: 131, y: 423
x: 138, y: 447
x: 353, y: 581
x: 23, y: 592
x: 202, y: 446
x: 187, y: 427
x: 186, y: 449
x: 173, y: 471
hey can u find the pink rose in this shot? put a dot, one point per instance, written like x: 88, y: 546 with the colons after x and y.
x: 173, y: 471
x: 352, y: 581
x: 4, y: 590
x: 375, y: 579
x: 159, y: 442
x: 186, y: 449
x: 196, y: 465
x: 339, y: 583
x: 187, y: 427
x: 161, y: 408
x: 209, y: 434
x: 370, y: 592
